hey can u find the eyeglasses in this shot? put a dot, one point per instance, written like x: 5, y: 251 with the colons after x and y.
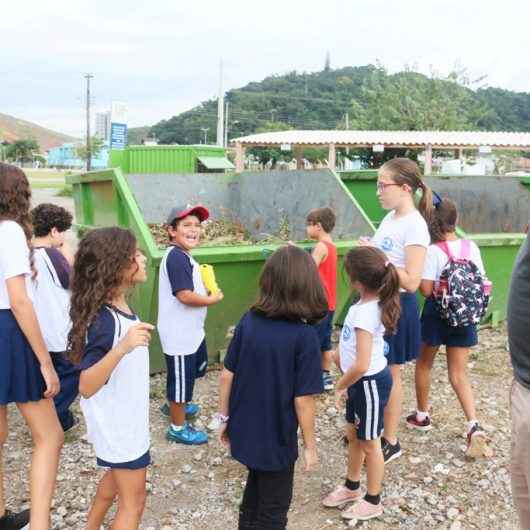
x: 381, y: 186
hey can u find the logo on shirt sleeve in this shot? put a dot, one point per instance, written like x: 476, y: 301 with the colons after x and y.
x: 346, y: 332
x: 387, y: 244
x: 386, y: 348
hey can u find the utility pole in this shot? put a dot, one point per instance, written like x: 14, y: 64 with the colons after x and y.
x: 272, y: 111
x: 88, y: 77
x: 220, y: 108
x: 347, y: 121
x: 225, y: 144
x: 205, y: 131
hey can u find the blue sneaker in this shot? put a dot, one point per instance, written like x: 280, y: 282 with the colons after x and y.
x: 188, y: 436
x: 192, y: 409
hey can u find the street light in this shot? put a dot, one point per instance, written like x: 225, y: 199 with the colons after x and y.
x: 205, y: 131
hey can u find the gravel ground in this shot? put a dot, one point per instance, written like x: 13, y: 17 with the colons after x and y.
x: 431, y: 486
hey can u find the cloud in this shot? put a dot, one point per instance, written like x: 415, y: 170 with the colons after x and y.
x: 162, y: 58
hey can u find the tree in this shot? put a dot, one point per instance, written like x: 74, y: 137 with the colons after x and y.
x: 96, y: 145
x: 22, y: 150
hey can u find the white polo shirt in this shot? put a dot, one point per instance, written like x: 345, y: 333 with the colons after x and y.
x: 52, y: 298
x: 180, y: 326
x: 394, y: 234
x: 14, y: 259
x: 117, y: 415
x: 367, y: 316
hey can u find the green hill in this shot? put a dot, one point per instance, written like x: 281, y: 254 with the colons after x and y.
x: 365, y: 97
x: 12, y: 129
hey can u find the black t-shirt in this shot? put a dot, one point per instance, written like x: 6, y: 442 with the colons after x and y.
x: 273, y: 362
x: 519, y: 316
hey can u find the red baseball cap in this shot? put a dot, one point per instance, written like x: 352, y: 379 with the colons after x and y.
x: 183, y: 211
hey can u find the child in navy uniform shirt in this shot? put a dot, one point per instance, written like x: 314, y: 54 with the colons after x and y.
x: 367, y: 380
x: 272, y: 369
x: 182, y: 303
x: 110, y: 344
x: 53, y: 261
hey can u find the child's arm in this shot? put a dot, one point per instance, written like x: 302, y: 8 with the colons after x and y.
x: 410, y: 275
x: 305, y: 412
x: 94, y: 377
x: 66, y: 251
x: 225, y: 387
x: 320, y: 253
x: 362, y: 363
x: 194, y: 299
x: 427, y: 288
x: 25, y: 315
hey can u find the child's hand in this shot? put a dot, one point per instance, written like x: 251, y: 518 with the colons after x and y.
x: 340, y: 397
x: 217, y: 297
x: 50, y: 379
x: 365, y: 241
x: 137, y: 335
x: 223, y: 435
x: 311, y: 459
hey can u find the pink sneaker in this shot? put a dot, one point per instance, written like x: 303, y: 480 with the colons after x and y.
x: 362, y: 511
x: 342, y: 495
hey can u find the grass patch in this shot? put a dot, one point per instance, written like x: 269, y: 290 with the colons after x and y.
x: 52, y: 185
x: 66, y: 191
x: 45, y: 174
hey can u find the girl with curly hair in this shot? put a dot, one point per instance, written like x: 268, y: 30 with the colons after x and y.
x: 27, y: 376
x: 109, y: 343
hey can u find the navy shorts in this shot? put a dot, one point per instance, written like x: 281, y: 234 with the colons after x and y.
x: 20, y: 376
x: 405, y: 345
x: 182, y: 371
x: 68, y: 375
x: 138, y: 463
x: 324, y: 329
x: 366, y: 403
x: 436, y: 332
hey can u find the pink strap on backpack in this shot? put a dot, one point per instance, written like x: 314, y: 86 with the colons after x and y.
x: 465, y: 249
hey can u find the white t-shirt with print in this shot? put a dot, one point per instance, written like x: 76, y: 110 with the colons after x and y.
x: 367, y: 316
x: 396, y: 233
x: 437, y: 259
x: 14, y: 259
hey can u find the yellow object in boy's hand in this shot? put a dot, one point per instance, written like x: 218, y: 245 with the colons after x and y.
x: 208, y: 278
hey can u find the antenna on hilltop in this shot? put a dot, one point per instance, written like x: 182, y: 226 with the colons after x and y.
x: 327, y: 64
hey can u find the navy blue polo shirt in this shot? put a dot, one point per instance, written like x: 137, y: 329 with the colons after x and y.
x: 273, y: 361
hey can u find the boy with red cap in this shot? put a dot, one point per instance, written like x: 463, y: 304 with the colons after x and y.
x: 182, y: 305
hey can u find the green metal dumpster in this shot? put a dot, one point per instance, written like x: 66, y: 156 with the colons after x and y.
x: 170, y: 159
x: 493, y: 212
x: 263, y: 201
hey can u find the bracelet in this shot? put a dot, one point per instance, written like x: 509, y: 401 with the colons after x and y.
x: 222, y: 418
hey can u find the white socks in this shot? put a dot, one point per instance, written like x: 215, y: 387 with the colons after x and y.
x: 421, y: 415
x: 470, y: 425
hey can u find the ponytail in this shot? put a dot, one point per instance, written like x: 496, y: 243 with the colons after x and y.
x: 389, y: 298
x: 443, y: 220
x: 425, y: 206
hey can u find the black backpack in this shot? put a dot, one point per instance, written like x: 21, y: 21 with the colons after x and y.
x: 461, y: 298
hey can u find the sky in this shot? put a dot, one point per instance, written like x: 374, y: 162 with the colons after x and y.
x: 162, y: 57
